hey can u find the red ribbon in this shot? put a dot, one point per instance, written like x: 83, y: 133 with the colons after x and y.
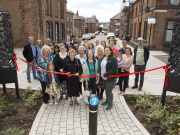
x: 15, y: 59
x: 164, y: 67
x: 166, y: 79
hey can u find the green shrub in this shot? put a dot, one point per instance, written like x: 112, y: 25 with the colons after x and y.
x: 2, y: 106
x: 171, y: 121
x: 13, y: 131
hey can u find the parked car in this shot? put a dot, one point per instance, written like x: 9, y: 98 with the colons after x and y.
x: 97, y: 32
x: 113, y: 40
x: 86, y: 36
x: 94, y: 35
x: 110, y: 35
x: 105, y: 33
x: 91, y: 34
x: 102, y: 31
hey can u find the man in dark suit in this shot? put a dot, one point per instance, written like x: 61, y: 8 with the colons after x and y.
x: 68, y: 41
x: 30, y: 53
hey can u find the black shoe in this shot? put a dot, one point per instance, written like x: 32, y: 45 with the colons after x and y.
x: 109, y: 107
x: 100, y: 97
x: 61, y: 97
x: 140, y: 88
x: 35, y: 78
x: 105, y: 103
x: 134, y: 87
x: 67, y: 97
x: 53, y: 97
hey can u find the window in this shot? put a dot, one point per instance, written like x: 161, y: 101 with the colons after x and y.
x: 71, y: 18
x: 115, y: 21
x: 57, y: 32
x: 175, y: 2
x: 48, y: 7
x: 56, y: 9
x: 169, y: 31
x: 139, y: 34
x: 136, y: 10
x: 62, y: 10
x: 62, y: 31
x: 145, y: 30
x: 67, y: 16
x: 148, y: 2
x: 49, y: 30
x: 135, y: 30
x: 141, y: 9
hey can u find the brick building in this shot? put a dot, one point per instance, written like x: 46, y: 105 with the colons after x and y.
x: 91, y: 24
x: 157, y: 35
x: 70, y: 23
x: 37, y: 18
x: 79, y: 25
x: 115, y: 23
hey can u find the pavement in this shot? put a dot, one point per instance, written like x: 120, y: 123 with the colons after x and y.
x: 66, y: 120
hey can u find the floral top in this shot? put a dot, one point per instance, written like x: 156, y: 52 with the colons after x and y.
x: 42, y: 63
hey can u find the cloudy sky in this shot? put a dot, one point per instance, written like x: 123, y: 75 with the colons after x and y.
x: 103, y: 9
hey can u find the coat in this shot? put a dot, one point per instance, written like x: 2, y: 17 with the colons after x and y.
x: 111, y: 67
x: 72, y: 82
x: 27, y: 52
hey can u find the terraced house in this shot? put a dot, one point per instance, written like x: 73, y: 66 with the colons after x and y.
x: 38, y: 18
x: 158, y: 35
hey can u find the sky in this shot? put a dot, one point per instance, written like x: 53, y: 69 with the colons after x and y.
x: 103, y: 9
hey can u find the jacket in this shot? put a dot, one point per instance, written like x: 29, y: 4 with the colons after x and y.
x: 27, y: 52
x: 146, y: 54
x: 111, y: 67
x: 87, y: 68
x: 49, y: 80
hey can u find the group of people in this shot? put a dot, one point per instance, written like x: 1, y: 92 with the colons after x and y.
x: 71, y: 61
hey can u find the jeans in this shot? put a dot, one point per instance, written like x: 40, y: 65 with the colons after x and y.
x: 138, y: 68
x: 33, y: 69
x: 123, y: 78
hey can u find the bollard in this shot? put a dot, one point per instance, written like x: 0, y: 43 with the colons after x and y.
x: 93, y: 111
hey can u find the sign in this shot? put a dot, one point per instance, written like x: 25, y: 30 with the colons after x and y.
x: 151, y: 20
x: 160, y: 10
x: 94, y: 101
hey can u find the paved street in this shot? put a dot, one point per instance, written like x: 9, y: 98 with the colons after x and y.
x: 66, y: 120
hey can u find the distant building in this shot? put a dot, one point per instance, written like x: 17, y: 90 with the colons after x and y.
x: 158, y: 35
x: 38, y: 18
x: 115, y: 23
x: 79, y: 25
x: 91, y: 24
x: 70, y: 23
x: 105, y: 26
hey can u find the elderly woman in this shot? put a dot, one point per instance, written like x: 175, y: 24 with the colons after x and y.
x: 108, y: 66
x: 41, y: 74
x: 59, y: 60
x: 82, y: 57
x: 99, y: 53
x: 90, y: 67
x: 73, y: 66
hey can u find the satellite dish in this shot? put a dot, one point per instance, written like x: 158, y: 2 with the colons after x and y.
x: 147, y: 9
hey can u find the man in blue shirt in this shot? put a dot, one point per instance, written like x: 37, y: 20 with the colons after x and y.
x: 124, y: 44
x: 68, y: 42
x: 30, y: 53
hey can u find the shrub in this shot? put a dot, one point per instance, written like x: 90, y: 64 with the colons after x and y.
x: 2, y: 106
x: 13, y: 131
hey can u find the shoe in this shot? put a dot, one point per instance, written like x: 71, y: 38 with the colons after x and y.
x: 56, y: 103
x: 105, y: 103
x: 134, y: 87
x: 122, y: 94
x: 61, y: 97
x: 71, y: 103
x: 29, y: 81
x: 67, y: 97
x: 51, y: 103
x: 140, y: 88
x: 109, y: 107
x: 76, y: 102
x: 35, y: 78
x: 81, y: 97
x: 53, y: 97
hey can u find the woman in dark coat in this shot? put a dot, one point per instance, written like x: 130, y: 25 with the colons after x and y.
x: 73, y: 66
x: 59, y: 60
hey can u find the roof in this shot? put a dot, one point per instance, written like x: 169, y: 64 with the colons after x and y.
x: 91, y: 19
x: 69, y: 11
x: 75, y: 16
x: 117, y: 16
